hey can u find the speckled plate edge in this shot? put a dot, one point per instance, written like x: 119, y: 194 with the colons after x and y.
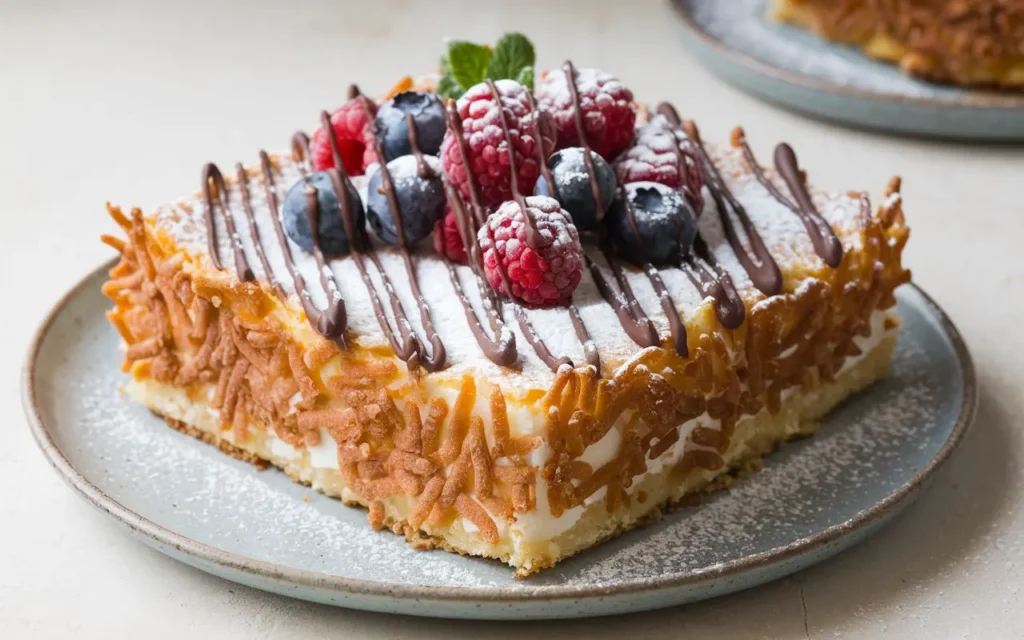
x: 987, y: 116
x: 496, y: 602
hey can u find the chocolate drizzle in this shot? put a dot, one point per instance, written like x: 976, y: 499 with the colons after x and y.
x: 501, y: 348
x: 627, y: 308
x: 331, y: 322
x: 824, y: 239
x: 254, y: 233
x: 472, y: 223
x: 676, y: 328
x: 756, y: 259
x: 212, y: 174
x: 552, y: 361
x: 403, y: 342
x: 700, y: 265
x: 711, y: 279
x: 581, y: 132
x: 436, y: 359
x: 590, y: 352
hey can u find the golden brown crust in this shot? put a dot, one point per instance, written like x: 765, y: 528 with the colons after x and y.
x: 960, y: 41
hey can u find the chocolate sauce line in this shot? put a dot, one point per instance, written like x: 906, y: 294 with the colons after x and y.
x: 330, y: 322
x: 501, y: 348
x: 627, y: 308
x: 435, y: 360
x: 254, y: 233
x: 423, y: 169
x: 590, y: 352
x: 455, y: 126
x: 756, y: 260
x: 700, y: 265
x: 500, y: 351
x: 403, y: 342
x: 711, y: 279
x: 479, y: 220
x: 313, y: 213
x: 826, y: 243
x: 581, y: 132
x: 212, y: 174
x: 676, y: 328
x: 554, y: 362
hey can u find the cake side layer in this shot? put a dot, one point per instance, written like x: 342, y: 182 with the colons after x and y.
x: 753, y: 437
x: 976, y: 43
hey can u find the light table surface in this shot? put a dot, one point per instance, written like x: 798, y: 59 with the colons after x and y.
x: 125, y: 101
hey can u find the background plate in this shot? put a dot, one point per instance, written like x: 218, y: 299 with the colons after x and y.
x: 813, y: 498
x: 799, y: 70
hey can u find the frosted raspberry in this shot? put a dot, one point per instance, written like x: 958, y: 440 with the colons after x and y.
x: 543, y: 274
x: 447, y: 240
x: 488, y: 150
x: 655, y: 158
x: 354, y: 132
x: 606, y: 104
x: 652, y: 159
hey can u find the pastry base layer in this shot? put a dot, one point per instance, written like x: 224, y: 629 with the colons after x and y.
x: 871, y: 37
x: 754, y: 436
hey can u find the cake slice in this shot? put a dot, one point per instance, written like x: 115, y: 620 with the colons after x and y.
x: 550, y: 373
x: 971, y: 43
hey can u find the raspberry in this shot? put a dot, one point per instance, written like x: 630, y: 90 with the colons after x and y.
x: 606, y: 105
x: 652, y: 159
x: 354, y: 133
x: 488, y: 151
x: 541, y: 275
x: 656, y: 157
x: 447, y: 240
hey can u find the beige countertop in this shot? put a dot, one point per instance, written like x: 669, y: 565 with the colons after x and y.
x: 125, y: 101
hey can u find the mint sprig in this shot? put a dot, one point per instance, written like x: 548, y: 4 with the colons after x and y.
x: 468, y: 61
x: 466, y: 64
x: 513, y: 53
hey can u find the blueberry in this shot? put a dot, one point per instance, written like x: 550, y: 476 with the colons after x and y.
x: 333, y: 239
x: 575, y: 193
x: 392, y: 126
x: 665, y: 221
x: 420, y: 198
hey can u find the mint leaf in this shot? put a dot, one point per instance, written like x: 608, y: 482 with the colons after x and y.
x: 468, y: 62
x: 447, y: 85
x: 513, y: 53
x: 525, y: 77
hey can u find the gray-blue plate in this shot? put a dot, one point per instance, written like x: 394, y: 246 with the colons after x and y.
x: 798, y: 70
x: 813, y: 499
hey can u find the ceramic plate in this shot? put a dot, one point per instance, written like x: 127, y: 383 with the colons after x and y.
x: 798, y: 70
x: 813, y: 499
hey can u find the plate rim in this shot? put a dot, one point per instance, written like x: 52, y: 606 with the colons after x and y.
x: 488, y: 594
x: 976, y: 99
